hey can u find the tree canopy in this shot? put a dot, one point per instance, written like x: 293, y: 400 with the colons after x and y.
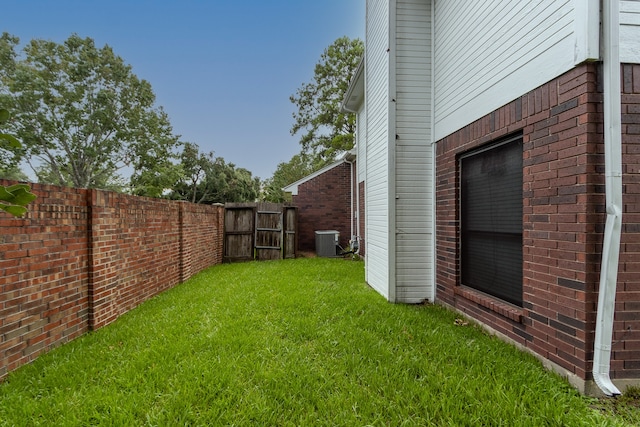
x: 286, y: 173
x: 13, y: 198
x: 83, y: 115
x: 206, y: 178
x: 325, y: 130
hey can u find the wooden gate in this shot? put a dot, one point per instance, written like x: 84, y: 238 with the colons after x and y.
x: 268, y: 235
x: 260, y: 231
x: 238, y: 233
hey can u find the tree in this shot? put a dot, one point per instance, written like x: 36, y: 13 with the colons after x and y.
x: 241, y: 185
x: 13, y: 173
x: 10, y: 148
x: 326, y: 130
x: 286, y: 173
x: 197, y: 182
x: 208, y: 179
x: 154, y: 181
x: 13, y: 198
x: 83, y: 115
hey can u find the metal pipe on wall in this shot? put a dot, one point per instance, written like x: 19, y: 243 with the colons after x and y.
x: 613, y: 189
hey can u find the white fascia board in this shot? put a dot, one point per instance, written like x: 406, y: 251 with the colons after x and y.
x: 354, y: 97
x: 293, y: 187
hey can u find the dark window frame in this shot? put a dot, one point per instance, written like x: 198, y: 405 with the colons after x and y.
x: 491, y: 202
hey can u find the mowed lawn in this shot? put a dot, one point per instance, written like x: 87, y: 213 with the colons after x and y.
x: 299, y: 342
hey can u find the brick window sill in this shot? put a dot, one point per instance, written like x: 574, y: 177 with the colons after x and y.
x: 497, y: 306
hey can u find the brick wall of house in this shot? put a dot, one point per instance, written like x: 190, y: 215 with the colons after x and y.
x: 626, y: 349
x: 81, y: 258
x: 324, y: 203
x: 563, y: 222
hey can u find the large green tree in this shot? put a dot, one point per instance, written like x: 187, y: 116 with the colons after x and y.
x: 287, y: 173
x: 325, y: 130
x: 10, y: 147
x: 83, y: 115
x: 13, y: 173
x: 13, y: 198
x: 197, y: 182
x: 208, y: 179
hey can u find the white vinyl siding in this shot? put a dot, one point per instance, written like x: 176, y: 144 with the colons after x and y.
x: 413, y: 153
x: 377, y: 150
x: 630, y: 31
x: 361, y: 142
x: 433, y: 67
x: 361, y: 171
x: 490, y: 52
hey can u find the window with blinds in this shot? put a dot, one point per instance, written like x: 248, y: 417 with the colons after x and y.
x: 491, y: 219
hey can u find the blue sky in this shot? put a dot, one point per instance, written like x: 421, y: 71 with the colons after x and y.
x: 222, y: 69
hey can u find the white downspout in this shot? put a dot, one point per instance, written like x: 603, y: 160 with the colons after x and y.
x: 357, y: 207
x: 613, y: 188
x: 354, y: 181
x: 351, y: 202
x: 432, y: 135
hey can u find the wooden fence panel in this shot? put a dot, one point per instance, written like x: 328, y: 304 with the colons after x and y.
x: 238, y: 233
x: 290, y: 232
x: 260, y: 231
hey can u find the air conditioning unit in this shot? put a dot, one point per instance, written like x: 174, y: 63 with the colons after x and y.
x: 327, y: 243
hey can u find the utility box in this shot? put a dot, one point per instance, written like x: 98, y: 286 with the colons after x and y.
x: 327, y: 243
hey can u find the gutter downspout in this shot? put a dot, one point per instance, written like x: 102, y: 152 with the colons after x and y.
x: 351, y: 239
x: 613, y: 188
x: 357, y: 218
x: 354, y: 239
x: 434, y: 153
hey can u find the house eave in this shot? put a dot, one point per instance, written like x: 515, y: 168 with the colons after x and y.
x: 292, y: 188
x: 354, y: 96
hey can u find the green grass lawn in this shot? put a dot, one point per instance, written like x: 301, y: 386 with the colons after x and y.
x: 297, y: 342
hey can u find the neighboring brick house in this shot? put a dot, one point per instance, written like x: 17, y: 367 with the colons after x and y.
x: 326, y: 201
x: 482, y: 138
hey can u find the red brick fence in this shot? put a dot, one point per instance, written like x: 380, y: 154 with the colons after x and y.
x: 81, y: 258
